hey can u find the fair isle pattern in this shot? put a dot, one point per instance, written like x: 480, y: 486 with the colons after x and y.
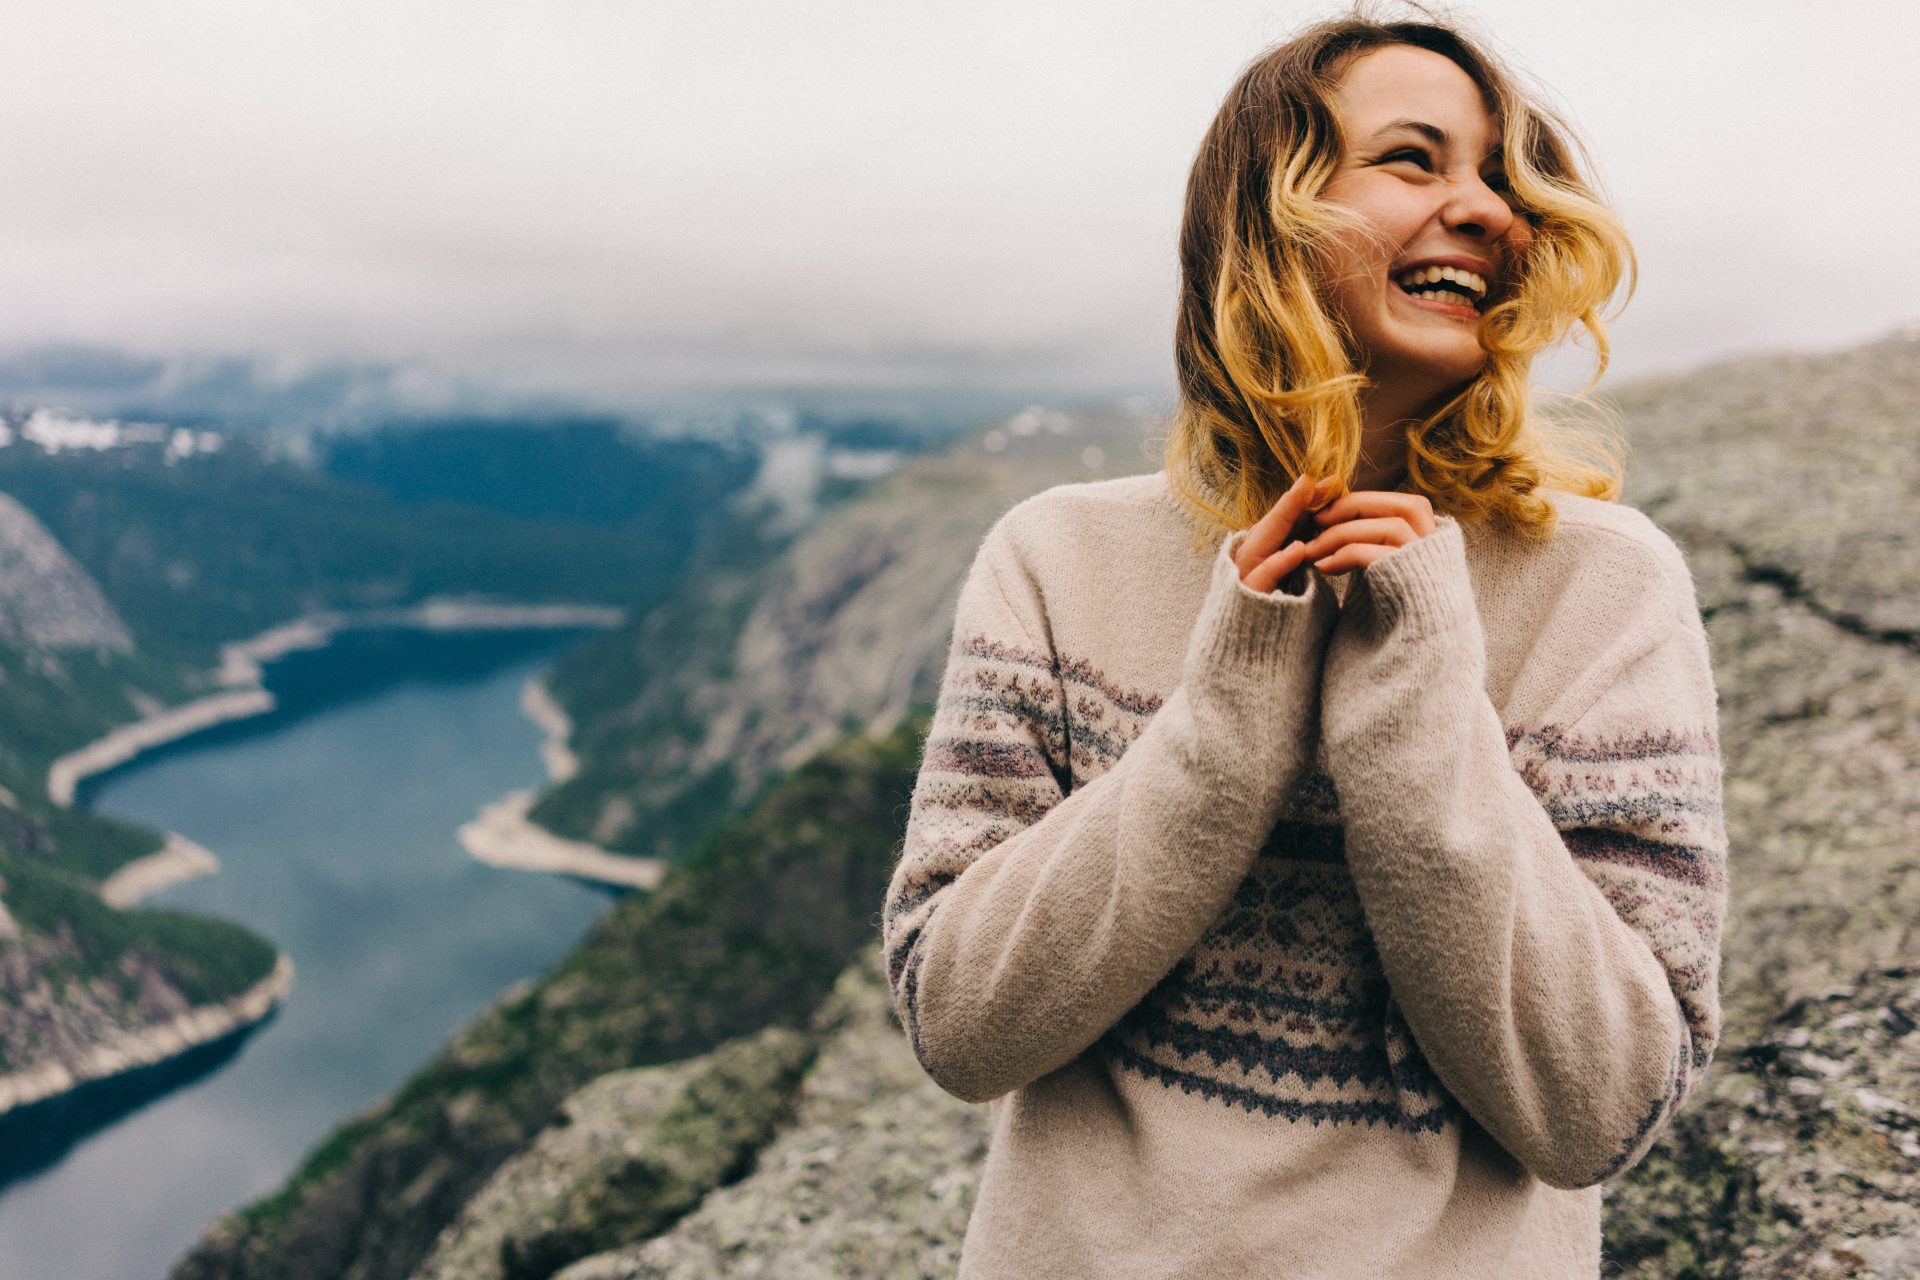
x: 1282, y: 1008
x: 1016, y: 729
x: 1641, y: 814
x: 1202, y: 959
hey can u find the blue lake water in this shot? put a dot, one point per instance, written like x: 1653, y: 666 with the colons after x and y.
x: 334, y: 822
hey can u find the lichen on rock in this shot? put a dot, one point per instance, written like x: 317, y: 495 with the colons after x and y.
x: 875, y: 1177
x: 623, y: 1158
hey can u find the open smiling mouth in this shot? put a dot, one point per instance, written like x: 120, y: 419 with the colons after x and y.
x: 1451, y: 285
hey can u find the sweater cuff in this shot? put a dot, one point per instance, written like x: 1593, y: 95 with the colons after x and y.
x: 1249, y: 629
x: 1424, y: 587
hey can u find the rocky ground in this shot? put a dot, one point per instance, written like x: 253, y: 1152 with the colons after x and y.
x: 844, y: 1188
x: 1790, y: 486
x: 1793, y: 487
x: 46, y: 600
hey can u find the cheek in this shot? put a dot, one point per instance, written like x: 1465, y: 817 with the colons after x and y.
x: 1520, y: 236
x: 1356, y: 261
x: 1348, y: 280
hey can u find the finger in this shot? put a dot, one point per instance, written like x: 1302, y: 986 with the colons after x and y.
x: 1271, y: 531
x: 1275, y: 569
x: 1347, y: 559
x: 1391, y: 531
x: 1264, y: 538
x: 1411, y: 507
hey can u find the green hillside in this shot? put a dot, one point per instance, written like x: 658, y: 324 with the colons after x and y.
x: 217, y: 548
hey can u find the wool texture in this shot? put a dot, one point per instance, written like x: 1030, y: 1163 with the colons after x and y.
x: 1363, y: 932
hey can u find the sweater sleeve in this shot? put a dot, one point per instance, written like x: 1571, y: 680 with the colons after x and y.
x: 1546, y: 900
x: 1027, y: 914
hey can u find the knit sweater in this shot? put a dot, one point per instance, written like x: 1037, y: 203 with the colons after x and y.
x: 1357, y: 933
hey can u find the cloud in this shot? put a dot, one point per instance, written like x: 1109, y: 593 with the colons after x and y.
x: 607, y: 199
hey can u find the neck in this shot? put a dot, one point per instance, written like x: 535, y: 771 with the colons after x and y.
x: 1383, y: 447
x: 1385, y: 414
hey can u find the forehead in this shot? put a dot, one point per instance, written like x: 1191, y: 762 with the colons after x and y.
x: 1400, y: 82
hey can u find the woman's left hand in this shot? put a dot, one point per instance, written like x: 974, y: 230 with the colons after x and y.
x: 1365, y: 525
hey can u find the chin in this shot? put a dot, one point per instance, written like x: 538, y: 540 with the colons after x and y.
x: 1448, y: 374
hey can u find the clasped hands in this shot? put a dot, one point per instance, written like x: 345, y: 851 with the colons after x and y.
x: 1335, y: 537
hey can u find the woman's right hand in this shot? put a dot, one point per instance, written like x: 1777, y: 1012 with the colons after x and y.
x: 1273, y: 550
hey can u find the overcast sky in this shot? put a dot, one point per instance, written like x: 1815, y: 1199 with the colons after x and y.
x: 611, y: 198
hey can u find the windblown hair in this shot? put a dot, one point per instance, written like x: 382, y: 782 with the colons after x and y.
x: 1268, y: 379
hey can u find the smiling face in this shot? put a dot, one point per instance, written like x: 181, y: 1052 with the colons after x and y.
x: 1420, y: 165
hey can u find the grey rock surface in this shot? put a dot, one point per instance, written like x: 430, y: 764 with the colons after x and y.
x: 875, y: 1177
x: 47, y: 600
x: 624, y: 1158
x: 1803, y: 466
x: 597, y: 1130
x: 848, y: 627
x: 1791, y: 486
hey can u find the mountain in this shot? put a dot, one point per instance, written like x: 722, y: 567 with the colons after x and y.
x: 774, y: 647
x: 87, y: 991
x: 1789, y: 483
x: 146, y: 572
x: 46, y: 600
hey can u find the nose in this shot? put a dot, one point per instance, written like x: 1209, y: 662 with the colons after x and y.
x: 1476, y: 209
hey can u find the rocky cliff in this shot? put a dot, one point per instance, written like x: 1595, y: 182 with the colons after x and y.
x: 774, y: 648
x: 88, y: 991
x: 1788, y: 484
x: 1793, y: 485
x: 47, y: 600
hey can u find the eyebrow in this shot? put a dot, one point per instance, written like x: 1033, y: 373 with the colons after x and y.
x: 1435, y: 134
x: 1431, y: 132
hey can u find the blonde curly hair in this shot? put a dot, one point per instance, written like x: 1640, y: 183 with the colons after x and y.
x: 1268, y: 385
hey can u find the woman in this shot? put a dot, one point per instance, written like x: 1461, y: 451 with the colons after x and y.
x: 1340, y: 896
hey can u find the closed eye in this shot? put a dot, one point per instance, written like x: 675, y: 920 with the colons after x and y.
x: 1409, y: 153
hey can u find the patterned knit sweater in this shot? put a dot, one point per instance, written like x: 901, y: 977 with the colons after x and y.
x: 1358, y: 933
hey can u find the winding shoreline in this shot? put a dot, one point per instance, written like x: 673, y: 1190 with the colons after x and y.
x: 242, y: 666
x: 502, y: 835
x: 129, y: 741
x: 556, y: 750
x: 178, y: 861
x: 200, y: 1025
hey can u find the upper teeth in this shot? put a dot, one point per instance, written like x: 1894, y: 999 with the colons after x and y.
x: 1429, y: 275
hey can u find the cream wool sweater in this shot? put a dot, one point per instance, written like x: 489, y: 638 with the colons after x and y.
x: 1361, y: 933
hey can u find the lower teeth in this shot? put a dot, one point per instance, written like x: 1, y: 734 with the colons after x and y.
x: 1442, y: 295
